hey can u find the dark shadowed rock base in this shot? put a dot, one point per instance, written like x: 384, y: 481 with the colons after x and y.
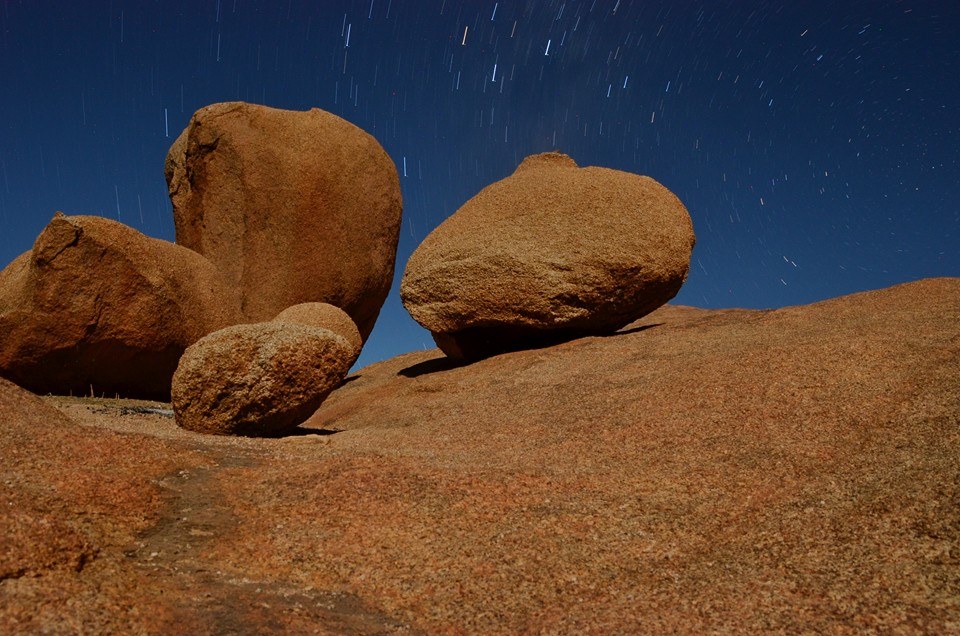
x: 482, y: 342
x: 476, y: 343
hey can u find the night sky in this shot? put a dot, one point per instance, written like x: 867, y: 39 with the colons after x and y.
x: 814, y: 143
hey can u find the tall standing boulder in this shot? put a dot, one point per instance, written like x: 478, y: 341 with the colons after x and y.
x: 97, y: 305
x: 552, y: 252
x: 293, y: 206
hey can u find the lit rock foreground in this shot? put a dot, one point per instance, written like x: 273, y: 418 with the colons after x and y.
x: 699, y: 471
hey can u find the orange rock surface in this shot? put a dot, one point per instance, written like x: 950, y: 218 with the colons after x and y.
x: 552, y: 252
x: 325, y: 316
x: 699, y: 471
x: 259, y: 379
x: 292, y: 206
x: 97, y: 306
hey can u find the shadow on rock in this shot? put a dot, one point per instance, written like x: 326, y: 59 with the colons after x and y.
x: 431, y: 366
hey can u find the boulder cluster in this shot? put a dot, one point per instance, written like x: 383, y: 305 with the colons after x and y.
x: 287, y: 226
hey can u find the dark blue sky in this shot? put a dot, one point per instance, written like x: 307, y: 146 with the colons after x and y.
x: 815, y: 143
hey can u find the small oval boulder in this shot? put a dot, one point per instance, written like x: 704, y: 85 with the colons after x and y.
x: 550, y: 253
x: 325, y: 316
x: 259, y: 379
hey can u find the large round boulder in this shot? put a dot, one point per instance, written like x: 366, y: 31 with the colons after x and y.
x: 293, y: 206
x: 325, y: 316
x: 258, y: 379
x: 552, y: 252
x: 97, y: 306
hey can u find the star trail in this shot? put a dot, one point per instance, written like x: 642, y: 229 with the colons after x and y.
x: 815, y: 144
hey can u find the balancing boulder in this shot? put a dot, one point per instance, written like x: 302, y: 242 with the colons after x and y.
x: 293, y: 206
x: 550, y: 253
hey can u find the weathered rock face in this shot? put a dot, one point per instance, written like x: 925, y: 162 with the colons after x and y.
x: 325, y: 316
x: 552, y: 252
x: 701, y: 471
x: 293, y: 206
x: 258, y: 379
x: 96, y: 303
x: 34, y: 541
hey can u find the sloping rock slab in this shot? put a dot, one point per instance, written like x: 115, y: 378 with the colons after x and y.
x: 700, y: 471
